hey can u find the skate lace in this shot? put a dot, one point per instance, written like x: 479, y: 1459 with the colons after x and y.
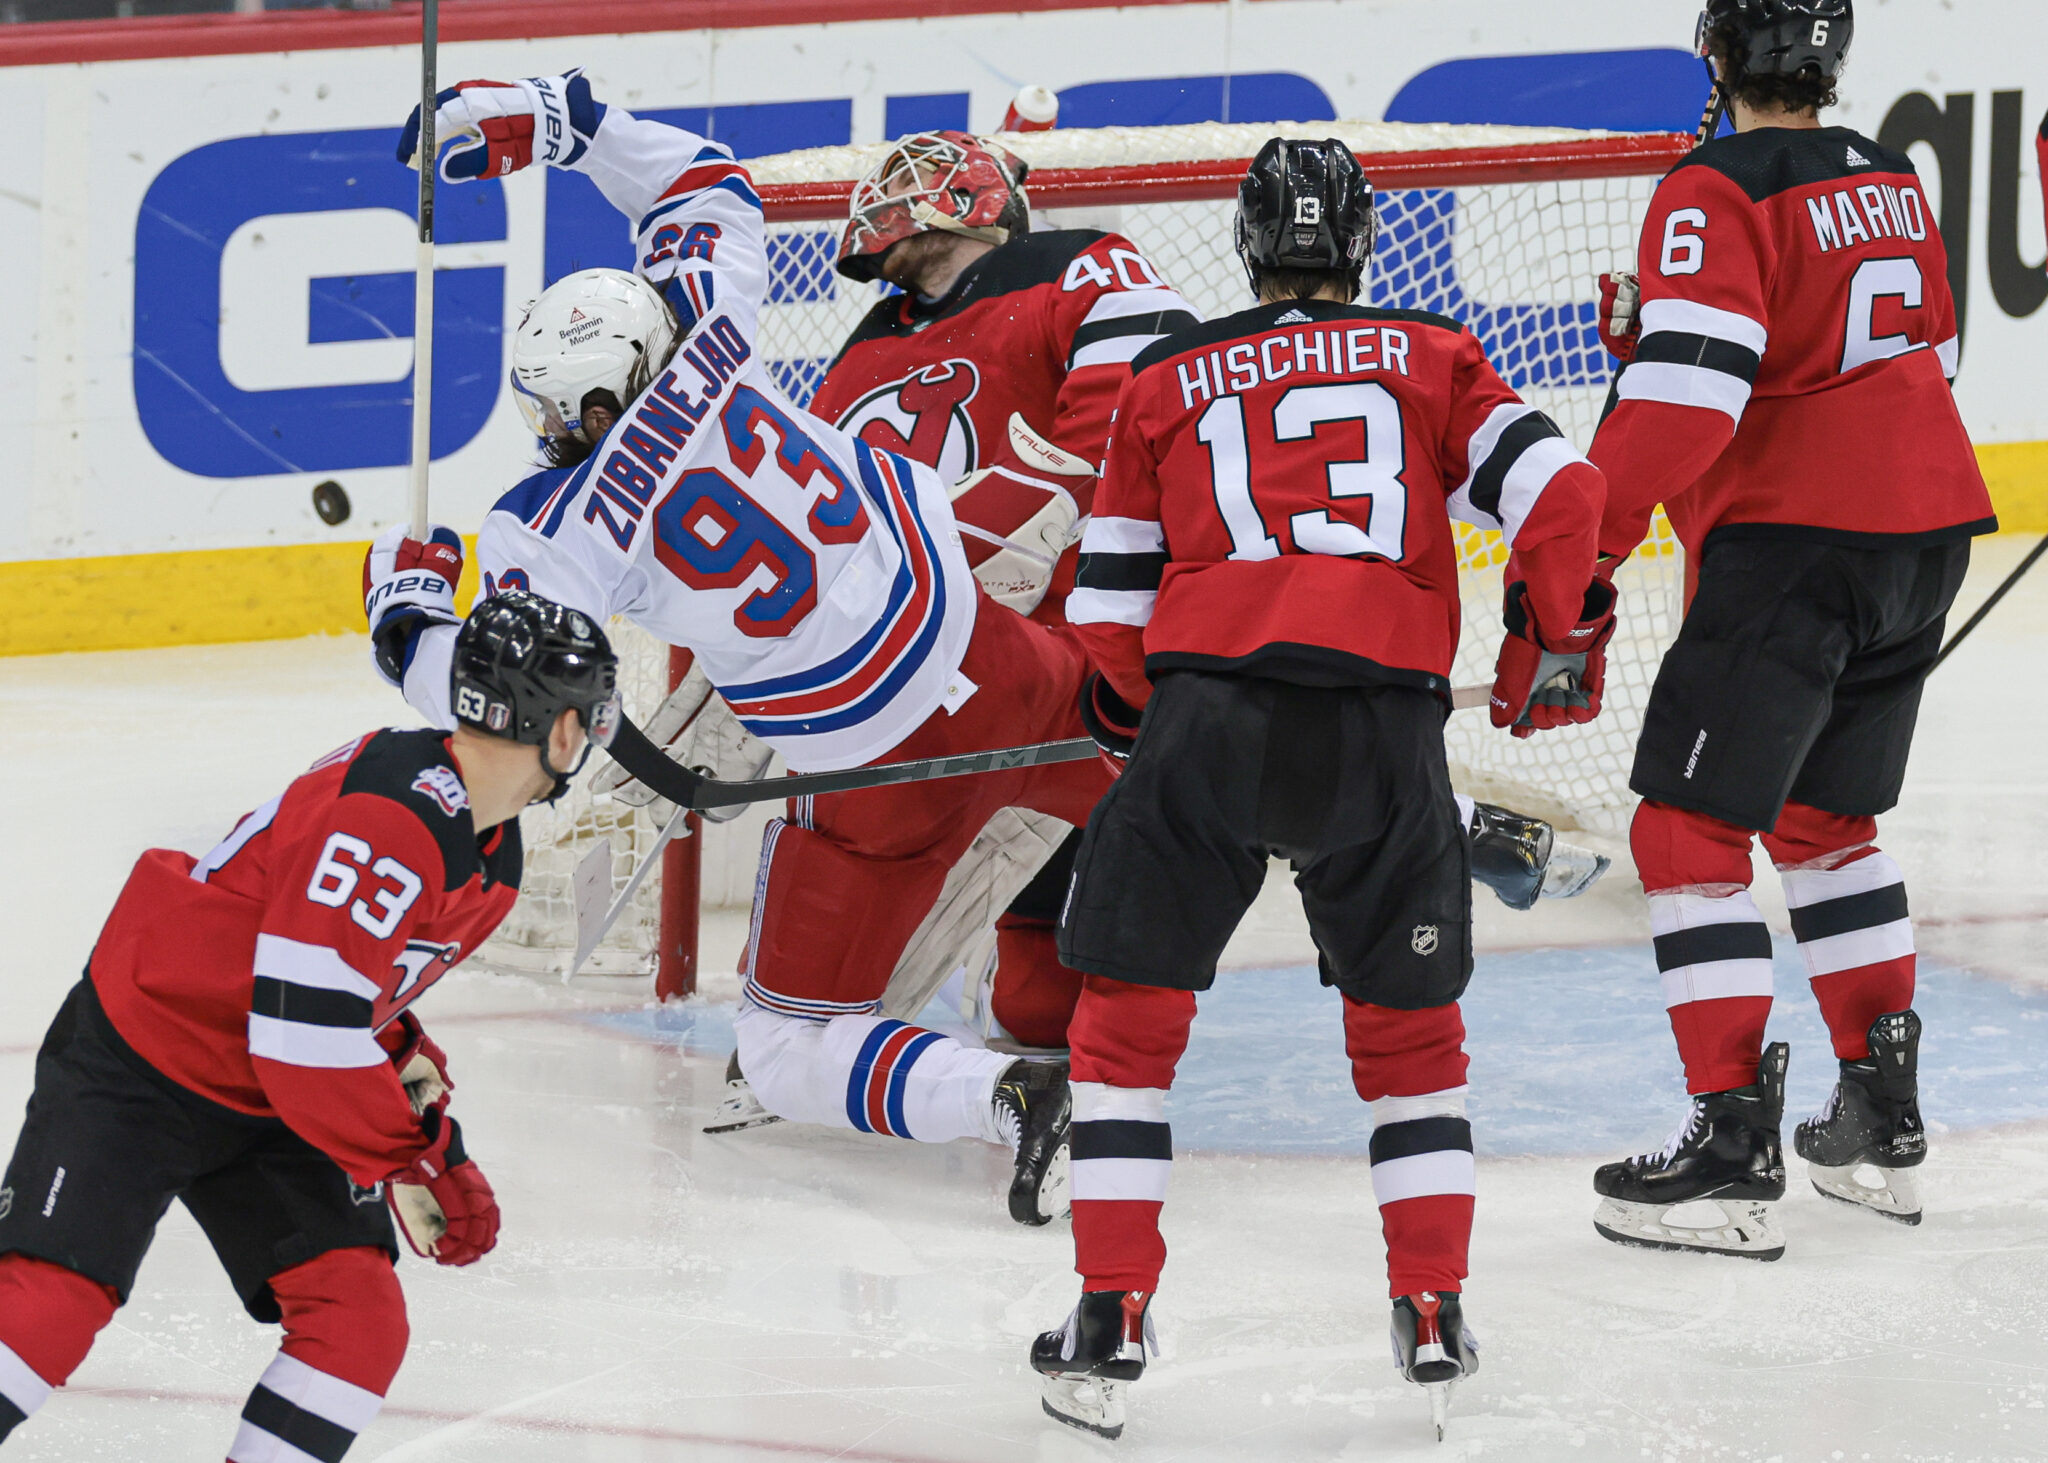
x: 1009, y: 1119
x: 1687, y: 1127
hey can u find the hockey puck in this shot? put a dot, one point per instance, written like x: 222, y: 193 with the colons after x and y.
x: 330, y: 501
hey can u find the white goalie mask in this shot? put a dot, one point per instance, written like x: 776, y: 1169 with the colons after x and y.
x: 597, y: 329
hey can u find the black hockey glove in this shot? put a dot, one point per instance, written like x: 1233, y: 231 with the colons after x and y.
x: 1110, y: 720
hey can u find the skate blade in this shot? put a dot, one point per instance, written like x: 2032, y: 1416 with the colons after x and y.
x: 1747, y: 1230
x: 1895, y: 1197
x: 1572, y: 871
x: 1439, y: 1405
x: 1053, y: 1198
x: 1092, y: 1404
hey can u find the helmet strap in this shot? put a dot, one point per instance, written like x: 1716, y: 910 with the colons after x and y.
x: 563, y: 779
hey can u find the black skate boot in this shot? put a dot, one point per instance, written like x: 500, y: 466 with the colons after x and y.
x: 1871, y: 1124
x: 1033, y: 1110
x: 1087, y: 1363
x: 1522, y: 860
x: 1727, y: 1150
x: 1434, y: 1348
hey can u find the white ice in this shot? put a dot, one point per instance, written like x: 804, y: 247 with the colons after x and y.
x: 792, y: 1294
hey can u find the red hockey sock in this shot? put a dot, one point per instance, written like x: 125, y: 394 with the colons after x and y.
x: 1126, y: 1040
x: 48, y: 1319
x: 1848, y: 903
x: 345, y: 1334
x: 1034, y: 995
x: 1713, y: 949
x: 1410, y: 1065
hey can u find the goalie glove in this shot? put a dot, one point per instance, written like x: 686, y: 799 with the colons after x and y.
x: 499, y: 127
x: 1621, y: 316
x: 422, y: 1066
x: 1543, y: 682
x: 407, y: 586
x: 441, y: 1200
x: 697, y: 729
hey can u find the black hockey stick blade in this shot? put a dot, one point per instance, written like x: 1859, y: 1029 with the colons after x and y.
x: 1990, y: 604
x: 632, y: 750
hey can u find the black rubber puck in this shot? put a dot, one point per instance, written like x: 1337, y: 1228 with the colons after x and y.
x: 330, y: 501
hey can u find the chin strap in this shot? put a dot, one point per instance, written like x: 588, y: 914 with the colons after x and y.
x: 1717, y: 107
x: 562, y: 779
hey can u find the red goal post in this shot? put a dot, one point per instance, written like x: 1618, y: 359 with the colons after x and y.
x: 1506, y: 229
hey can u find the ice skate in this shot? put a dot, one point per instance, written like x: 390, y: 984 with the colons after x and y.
x: 1033, y: 1111
x: 1434, y: 1348
x: 739, y: 1109
x: 1726, y: 1152
x: 1522, y: 860
x: 1087, y: 1364
x: 1863, y: 1144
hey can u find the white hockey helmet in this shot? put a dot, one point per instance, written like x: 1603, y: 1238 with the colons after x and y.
x: 595, y: 330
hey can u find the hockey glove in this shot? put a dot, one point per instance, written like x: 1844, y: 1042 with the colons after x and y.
x: 1621, y: 319
x: 422, y: 1066
x: 499, y: 127
x: 407, y: 586
x: 1110, y: 720
x: 442, y: 1201
x: 1543, y: 682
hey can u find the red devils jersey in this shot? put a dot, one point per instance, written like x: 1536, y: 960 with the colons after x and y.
x: 1279, y: 495
x: 1798, y: 340
x: 261, y: 975
x: 1045, y: 326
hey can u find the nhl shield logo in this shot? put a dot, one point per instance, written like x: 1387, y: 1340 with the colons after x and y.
x: 1424, y: 940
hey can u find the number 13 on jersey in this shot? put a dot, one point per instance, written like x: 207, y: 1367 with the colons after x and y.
x: 1364, y: 502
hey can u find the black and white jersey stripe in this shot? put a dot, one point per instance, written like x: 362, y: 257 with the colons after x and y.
x: 1695, y: 355
x: 1849, y: 917
x: 1121, y: 1144
x: 1513, y: 456
x: 298, y: 1412
x: 1710, y: 949
x: 1117, y: 579
x: 1122, y: 324
x: 1421, y: 1147
x: 311, y: 1008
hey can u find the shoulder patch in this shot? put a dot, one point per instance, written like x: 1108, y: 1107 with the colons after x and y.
x: 412, y: 769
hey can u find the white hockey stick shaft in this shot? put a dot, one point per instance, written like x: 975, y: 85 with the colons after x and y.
x: 423, y: 274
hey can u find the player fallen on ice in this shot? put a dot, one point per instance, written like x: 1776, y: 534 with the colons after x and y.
x: 244, y: 1041
x: 1792, y: 340
x: 1003, y: 338
x: 1271, y: 576
x: 821, y: 586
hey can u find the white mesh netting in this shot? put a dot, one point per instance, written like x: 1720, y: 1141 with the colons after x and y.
x: 1519, y: 263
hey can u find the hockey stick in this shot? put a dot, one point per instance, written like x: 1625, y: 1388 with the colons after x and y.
x: 1990, y: 604
x: 632, y: 750
x: 423, y: 273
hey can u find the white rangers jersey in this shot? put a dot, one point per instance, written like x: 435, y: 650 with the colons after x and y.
x: 818, y: 580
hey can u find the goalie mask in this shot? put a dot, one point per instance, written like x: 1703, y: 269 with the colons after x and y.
x: 596, y: 331
x: 1778, y: 37
x: 934, y: 180
x: 521, y: 661
x: 1305, y: 205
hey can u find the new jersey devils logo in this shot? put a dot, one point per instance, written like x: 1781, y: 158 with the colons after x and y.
x: 924, y: 417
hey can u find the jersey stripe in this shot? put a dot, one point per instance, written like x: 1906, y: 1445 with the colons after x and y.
x: 218, y: 856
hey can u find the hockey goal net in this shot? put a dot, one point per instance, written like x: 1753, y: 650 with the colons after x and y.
x: 1504, y: 228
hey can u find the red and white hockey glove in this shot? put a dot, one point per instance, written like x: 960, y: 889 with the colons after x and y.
x: 499, y: 127
x: 442, y: 1201
x: 422, y: 1065
x: 407, y: 586
x: 1111, y: 721
x: 1621, y: 316
x: 1544, y: 682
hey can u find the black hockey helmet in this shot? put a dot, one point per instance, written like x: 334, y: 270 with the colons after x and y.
x: 1305, y: 205
x: 521, y: 661
x: 1779, y: 37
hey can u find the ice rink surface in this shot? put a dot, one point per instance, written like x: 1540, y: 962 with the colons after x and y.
x: 800, y: 1294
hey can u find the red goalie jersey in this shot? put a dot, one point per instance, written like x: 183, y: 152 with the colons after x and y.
x: 1798, y: 340
x: 1044, y: 326
x: 1279, y: 496
x: 261, y: 976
